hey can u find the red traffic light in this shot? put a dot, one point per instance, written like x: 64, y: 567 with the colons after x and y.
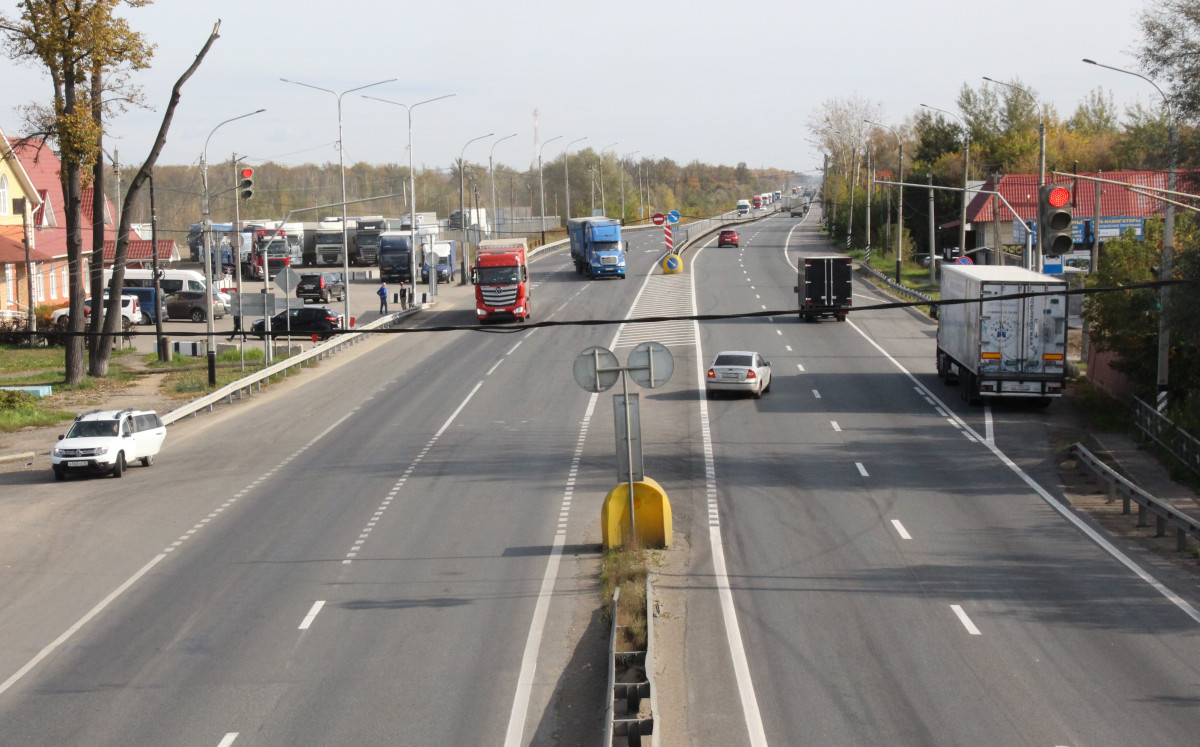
x: 1059, y: 196
x: 247, y: 173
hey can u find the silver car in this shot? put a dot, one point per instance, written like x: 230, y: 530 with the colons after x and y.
x: 738, y: 371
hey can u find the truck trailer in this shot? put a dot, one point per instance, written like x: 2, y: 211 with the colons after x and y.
x: 1007, y: 335
x: 501, y: 277
x: 442, y: 256
x: 596, y: 247
x: 824, y: 286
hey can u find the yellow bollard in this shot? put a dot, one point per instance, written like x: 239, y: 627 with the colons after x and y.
x: 671, y: 265
x: 651, y: 509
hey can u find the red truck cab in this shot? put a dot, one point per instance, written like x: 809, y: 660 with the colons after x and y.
x: 501, y: 277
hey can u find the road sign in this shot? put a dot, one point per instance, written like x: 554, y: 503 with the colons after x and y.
x: 596, y: 369
x: 650, y: 365
x: 672, y: 264
x: 287, y: 279
x: 964, y: 261
x: 673, y: 216
x: 658, y: 219
x: 669, y: 239
x: 252, y: 304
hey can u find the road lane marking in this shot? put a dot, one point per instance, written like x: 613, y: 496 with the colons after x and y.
x: 228, y: 739
x: 987, y: 424
x: 816, y: 394
x: 799, y: 365
x: 835, y: 425
x: 966, y: 621
x: 312, y: 614
x: 861, y: 469
x: 493, y: 368
x: 901, y: 530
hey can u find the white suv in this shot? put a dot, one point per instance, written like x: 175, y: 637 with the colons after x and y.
x: 131, y: 313
x: 105, y: 441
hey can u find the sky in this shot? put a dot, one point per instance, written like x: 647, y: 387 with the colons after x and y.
x: 718, y: 82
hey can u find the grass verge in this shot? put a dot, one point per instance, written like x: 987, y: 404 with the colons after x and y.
x: 626, y: 570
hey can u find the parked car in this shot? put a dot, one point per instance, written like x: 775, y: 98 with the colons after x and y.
x: 105, y: 441
x: 728, y: 237
x: 321, y: 287
x: 145, y: 297
x: 738, y: 371
x: 190, y: 305
x: 130, y: 313
x: 308, y: 320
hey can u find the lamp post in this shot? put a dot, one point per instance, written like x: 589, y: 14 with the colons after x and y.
x: 412, y: 190
x: 492, y: 176
x: 1168, y: 250
x: 462, y: 214
x: 900, y: 198
x: 627, y: 155
x: 1041, y: 129
x: 542, y: 184
x: 208, y: 253
x: 567, y: 170
x: 342, y: 168
x: 643, y: 207
x: 603, y: 202
x: 962, y: 221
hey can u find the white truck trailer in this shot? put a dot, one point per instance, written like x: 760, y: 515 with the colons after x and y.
x: 1002, y: 338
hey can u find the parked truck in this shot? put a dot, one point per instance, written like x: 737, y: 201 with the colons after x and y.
x: 1007, y: 334
x: 501, y: 277
x: 443, y: 256
x: 366, y: 238
x: 395, y: 257
x: 329, y: 242
x: 824, y: 286
x: 596, y: 247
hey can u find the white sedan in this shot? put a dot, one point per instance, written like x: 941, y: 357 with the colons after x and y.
x: 738, y: 371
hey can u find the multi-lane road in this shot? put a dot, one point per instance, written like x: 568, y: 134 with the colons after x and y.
x: 398, y: 549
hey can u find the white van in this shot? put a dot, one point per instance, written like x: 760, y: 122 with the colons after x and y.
x: 171, y: 281
x: 743, y: 207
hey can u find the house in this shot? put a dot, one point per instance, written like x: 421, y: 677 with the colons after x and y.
x: 15, y: 219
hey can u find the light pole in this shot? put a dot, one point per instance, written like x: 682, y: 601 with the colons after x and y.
x: 567, y: 171
x: 962, y: 220
x: 627, y: 155
x: 1168, y: 250
x: 1041, y: 130
x: 462, y: 214
x: 542, y: 184
x: 492, y: 176
x: 342, y: 168
x: 900, y: 199
x: 603, y: 202
x: 208, y: 252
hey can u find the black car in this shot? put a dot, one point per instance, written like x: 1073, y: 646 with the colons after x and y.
x: 321, y: 287
x: 190, y: 305
x: 309, y: 320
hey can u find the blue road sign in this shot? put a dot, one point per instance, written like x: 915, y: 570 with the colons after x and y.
x: 673, y: 216
x: 964, y: 261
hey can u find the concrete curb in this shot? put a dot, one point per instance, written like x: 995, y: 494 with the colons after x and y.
x: 16, y: 457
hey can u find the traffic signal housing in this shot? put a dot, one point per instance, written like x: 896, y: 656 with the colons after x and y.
x: 1054, y: 220
x: 246, y: 183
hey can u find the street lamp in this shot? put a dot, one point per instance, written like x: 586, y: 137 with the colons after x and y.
x: 603, y: 202
x: 627, y: 155
x: 208, y: 252
x: 462, y: 212
x: 342, y: 165
x: 962, y: 223
x: 492, y: 176
x: 1168, y: 250
x: 900, y: 199
x: 567, y: 171
x: 412, y: 190
x: 542, y: 184
x: 1041, y: 129
x: 644, y: 207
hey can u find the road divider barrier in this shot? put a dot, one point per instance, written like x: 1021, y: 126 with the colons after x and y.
x: 631, y: 682
x: 651, y: 511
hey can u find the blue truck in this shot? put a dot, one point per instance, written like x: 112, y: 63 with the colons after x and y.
x: 596, y: 247
x: 395, y: 257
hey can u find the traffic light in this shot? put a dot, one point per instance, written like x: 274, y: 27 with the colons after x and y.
x: 246, y: 183
x: 1054, y: 220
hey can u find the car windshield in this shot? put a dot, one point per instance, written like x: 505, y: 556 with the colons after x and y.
x: 93, y: 429
x: 729, y: 359
x: 499, y: 275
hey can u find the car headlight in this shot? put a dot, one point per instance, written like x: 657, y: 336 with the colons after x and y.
x: 101, y: 450
x: 56, y: 452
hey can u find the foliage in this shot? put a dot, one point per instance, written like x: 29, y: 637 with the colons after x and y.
x: 1170, y: 50
x: 21, y: 409
x: 1095, y: 115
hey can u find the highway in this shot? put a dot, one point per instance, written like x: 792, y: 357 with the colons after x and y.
x: 400, y: 547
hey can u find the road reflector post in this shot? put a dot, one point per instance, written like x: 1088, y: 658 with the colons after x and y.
x: 652, y: 512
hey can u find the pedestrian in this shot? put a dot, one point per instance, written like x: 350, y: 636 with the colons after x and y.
x: 403, y: 296
x: 382, y: 298
x: 237, y: 327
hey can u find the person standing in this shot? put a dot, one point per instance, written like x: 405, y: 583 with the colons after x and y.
x: 403, y: 296
x: 382, y: 298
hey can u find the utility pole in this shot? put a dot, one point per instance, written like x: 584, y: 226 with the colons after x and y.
x: 932, y: 235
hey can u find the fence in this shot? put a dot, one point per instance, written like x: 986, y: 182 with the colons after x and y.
x: 1158, y: 427
x: 632, y: 689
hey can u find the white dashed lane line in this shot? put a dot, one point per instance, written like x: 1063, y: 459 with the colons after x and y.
x: 966, y: 621
x: 861, y: 469
x: 901, y: 530
x: 312, y: 614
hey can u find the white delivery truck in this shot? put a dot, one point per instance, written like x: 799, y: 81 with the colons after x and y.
x: 1006, y: 336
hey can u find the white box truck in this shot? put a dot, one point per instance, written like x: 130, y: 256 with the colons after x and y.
x: 1002, y: 338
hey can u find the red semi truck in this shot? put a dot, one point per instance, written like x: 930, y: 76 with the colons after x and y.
x: 501, y: 277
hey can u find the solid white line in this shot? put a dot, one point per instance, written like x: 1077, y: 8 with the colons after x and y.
x: 1079, y: 524
x: 901, y: 530
x: 312, y: 614
x: 80, y: 623
x: 987, y: 424
x: 966, y: 621
x: 457, y: 410
x: 227, y: 739
x: 861, y: 469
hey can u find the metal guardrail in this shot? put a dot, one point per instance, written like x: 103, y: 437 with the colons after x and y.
x: 1164, y: 513
x: 246, y: 384
x: 1159, y: 428
x: 896, y: 286
x: 630, y: 725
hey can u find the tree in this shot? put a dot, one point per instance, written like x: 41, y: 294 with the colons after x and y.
x: 1095, y: 115
x: 72, y: 39
x: 1170, y: 50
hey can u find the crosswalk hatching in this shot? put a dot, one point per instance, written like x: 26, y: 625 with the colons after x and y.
x: 664, y: 295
